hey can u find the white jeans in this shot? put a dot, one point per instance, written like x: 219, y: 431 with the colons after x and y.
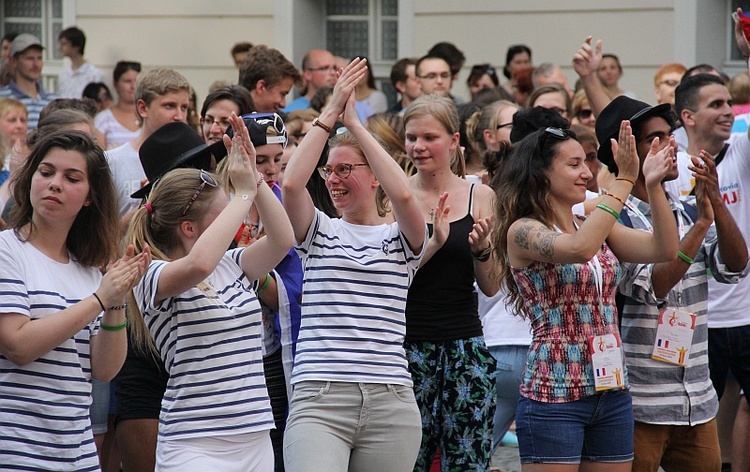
x: 235, y: 453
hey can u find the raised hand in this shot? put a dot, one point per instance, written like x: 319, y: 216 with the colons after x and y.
x: 586, y: 60
x: 479, y: 237
x: 441, y: 227
x: 348, y: 78
x: 625, y: 152
x: 704, y: 170
x: 241, y: 154
x: 122, y: 275
x: 742, y: 43
x: 658, y: 163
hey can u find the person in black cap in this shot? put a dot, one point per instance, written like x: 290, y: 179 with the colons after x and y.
x: 665, y: 432
x: 561, y: 273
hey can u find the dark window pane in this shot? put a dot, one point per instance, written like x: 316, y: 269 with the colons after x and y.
x: 23, y: 9
x: 347, y: 38
x: 347, y: 7
x: 390, y: 7
x: 390, y: 40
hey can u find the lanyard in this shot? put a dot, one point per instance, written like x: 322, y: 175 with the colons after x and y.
x: 597, y: 273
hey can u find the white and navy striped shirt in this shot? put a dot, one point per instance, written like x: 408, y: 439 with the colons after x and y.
x: 353, y: 300
x: 44, y: 405
x: 210, y: 342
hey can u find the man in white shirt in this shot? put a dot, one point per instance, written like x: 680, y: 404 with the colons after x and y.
x: 74, y: 77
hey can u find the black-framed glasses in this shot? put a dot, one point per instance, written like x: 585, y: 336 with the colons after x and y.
x: 505, y: 125
x: 342, y: 171
x: 206, y: 179
x: 556, y: 133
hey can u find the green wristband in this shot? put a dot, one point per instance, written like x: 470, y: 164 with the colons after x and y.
x: 685, y: 257
x: 265, y: 284
x: 118, y: 327
x: 609, y: 210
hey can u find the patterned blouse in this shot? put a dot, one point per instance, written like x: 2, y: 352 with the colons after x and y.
x: 563, y: 300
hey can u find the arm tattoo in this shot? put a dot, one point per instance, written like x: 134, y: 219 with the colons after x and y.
x: 522, y: 236
x: 546, y: 244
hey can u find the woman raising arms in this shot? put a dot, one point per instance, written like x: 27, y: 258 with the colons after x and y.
x: 353, y: 407
x: 561, y: 272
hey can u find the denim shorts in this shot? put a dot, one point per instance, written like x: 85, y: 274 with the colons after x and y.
x: 598, y: 428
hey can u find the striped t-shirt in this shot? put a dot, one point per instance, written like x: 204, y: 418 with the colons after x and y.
x: 210, y: 342
x: 353, y: 300
x: 44, y: 405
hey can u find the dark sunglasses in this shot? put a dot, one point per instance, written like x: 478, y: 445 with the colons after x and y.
x: 485, y: 68
x: 584, y: 114
x: 342, y: 171
x: 206, y: 179
x: 556, y: 133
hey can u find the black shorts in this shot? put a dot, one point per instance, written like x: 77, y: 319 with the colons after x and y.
x: 140, y: 387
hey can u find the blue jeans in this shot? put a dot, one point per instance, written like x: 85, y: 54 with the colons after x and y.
x: 511, y: 360
x: 340, y: 426
x: 598, y: 428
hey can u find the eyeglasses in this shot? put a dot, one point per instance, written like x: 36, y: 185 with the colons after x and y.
x: 322, y: 69
x: 671, y: 83
x: 209, y: 121
x: 505, y: 125
x: 102, y: 97
x: 342, y: 171
x: 584, y: 114
x: 435, y: 75
x: 206, y: 179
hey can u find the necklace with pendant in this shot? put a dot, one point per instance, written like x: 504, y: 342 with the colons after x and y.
x: 432, y: 209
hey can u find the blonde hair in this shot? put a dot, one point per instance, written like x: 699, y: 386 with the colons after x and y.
x: 486, y: 118
x: 388, y: 128
x: 6, y: 106
x: 739, y: 88
x: 442, y: 109
x: 157, y: 82
x: 347, y: 139
x: 157, y: 226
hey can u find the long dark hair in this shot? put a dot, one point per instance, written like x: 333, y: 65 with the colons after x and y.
x: 522, y: 190
x: 93, y: 239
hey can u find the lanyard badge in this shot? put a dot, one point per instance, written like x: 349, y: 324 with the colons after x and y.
x: 674, y: 336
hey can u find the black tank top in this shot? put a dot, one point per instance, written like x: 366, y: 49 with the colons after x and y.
x: 442, y: 303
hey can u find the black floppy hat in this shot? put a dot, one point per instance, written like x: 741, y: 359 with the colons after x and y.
x: 623, y: 108
x: 172, y: 146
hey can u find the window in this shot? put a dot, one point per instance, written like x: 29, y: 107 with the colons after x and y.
x: 365, y: 28
x: 44, y: 19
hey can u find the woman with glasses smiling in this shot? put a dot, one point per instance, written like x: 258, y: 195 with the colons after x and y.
x: 197, y: 307
x: 353, y: 406
x: 561, y: 273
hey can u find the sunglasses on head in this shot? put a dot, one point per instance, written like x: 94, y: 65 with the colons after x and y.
x: 264, y: 119
x: 486, y: 68
x: 342, y: 171
x: 206, y: 179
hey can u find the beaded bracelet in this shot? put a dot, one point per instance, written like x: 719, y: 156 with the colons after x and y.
x: 615, y: 197
x: 609, y: 210
x: 685, y: 257
x: 632, y: 182
x: 118, y: 327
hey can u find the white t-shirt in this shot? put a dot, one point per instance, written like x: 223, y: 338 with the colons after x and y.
x: 127, y: 173
x: 500, y: 327
x: 115, y: 133
x: 353, y: 303
x: 70, y: 84
x: 44, y: 405
x: 210, y: 343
